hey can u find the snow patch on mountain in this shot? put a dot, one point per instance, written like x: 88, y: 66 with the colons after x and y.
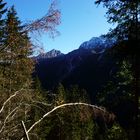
x: 98, y: 44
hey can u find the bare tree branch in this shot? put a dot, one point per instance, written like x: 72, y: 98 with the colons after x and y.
x: 12, y: 96
x: 24, y: 127
x: 46, y: 23
x: 43, y: 103
x: 64, y: 105
x: 8, y: 118
x: 34, y: 106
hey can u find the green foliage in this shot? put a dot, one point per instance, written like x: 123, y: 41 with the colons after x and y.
x: 76, y: 94
x: 118, y: 90
x: 126, y: 15
x: 125, y: 74
x: 16, y: 65
x: 68, y: 123
x: 60, y: 95
x: 26, y: 102
x: 15, y: 76
x: 116, y: 133
x: 71, y: 123
x: 118, y: 96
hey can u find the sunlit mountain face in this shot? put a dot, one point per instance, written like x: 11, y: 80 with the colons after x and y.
x: 98, y: 44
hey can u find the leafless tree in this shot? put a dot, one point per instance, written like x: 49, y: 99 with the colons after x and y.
x: 46, y: 24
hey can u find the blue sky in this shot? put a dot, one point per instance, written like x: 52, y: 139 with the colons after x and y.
x: 80, y: 21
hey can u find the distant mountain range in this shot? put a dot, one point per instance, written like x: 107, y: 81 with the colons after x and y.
x: 95, y: 45
x: 88, y: 66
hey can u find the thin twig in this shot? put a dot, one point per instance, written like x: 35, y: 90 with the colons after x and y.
x: 43, y: 103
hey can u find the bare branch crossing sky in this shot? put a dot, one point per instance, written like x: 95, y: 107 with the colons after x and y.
x: 80, y: 21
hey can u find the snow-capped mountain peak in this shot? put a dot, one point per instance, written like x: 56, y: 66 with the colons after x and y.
x: 98, y: 44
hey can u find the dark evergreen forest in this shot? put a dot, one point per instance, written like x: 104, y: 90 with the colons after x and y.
x: 97, y: 104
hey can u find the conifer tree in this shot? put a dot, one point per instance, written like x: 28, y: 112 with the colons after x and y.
x: 18, y: 65
x: 127, y: 16
x: 15, y: 76
x: 60, y: 94
x: 117, y: 95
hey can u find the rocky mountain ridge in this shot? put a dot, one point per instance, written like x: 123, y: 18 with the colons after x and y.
x: 50, y: 54
x: 95, y: 45
x: 98, y: 44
